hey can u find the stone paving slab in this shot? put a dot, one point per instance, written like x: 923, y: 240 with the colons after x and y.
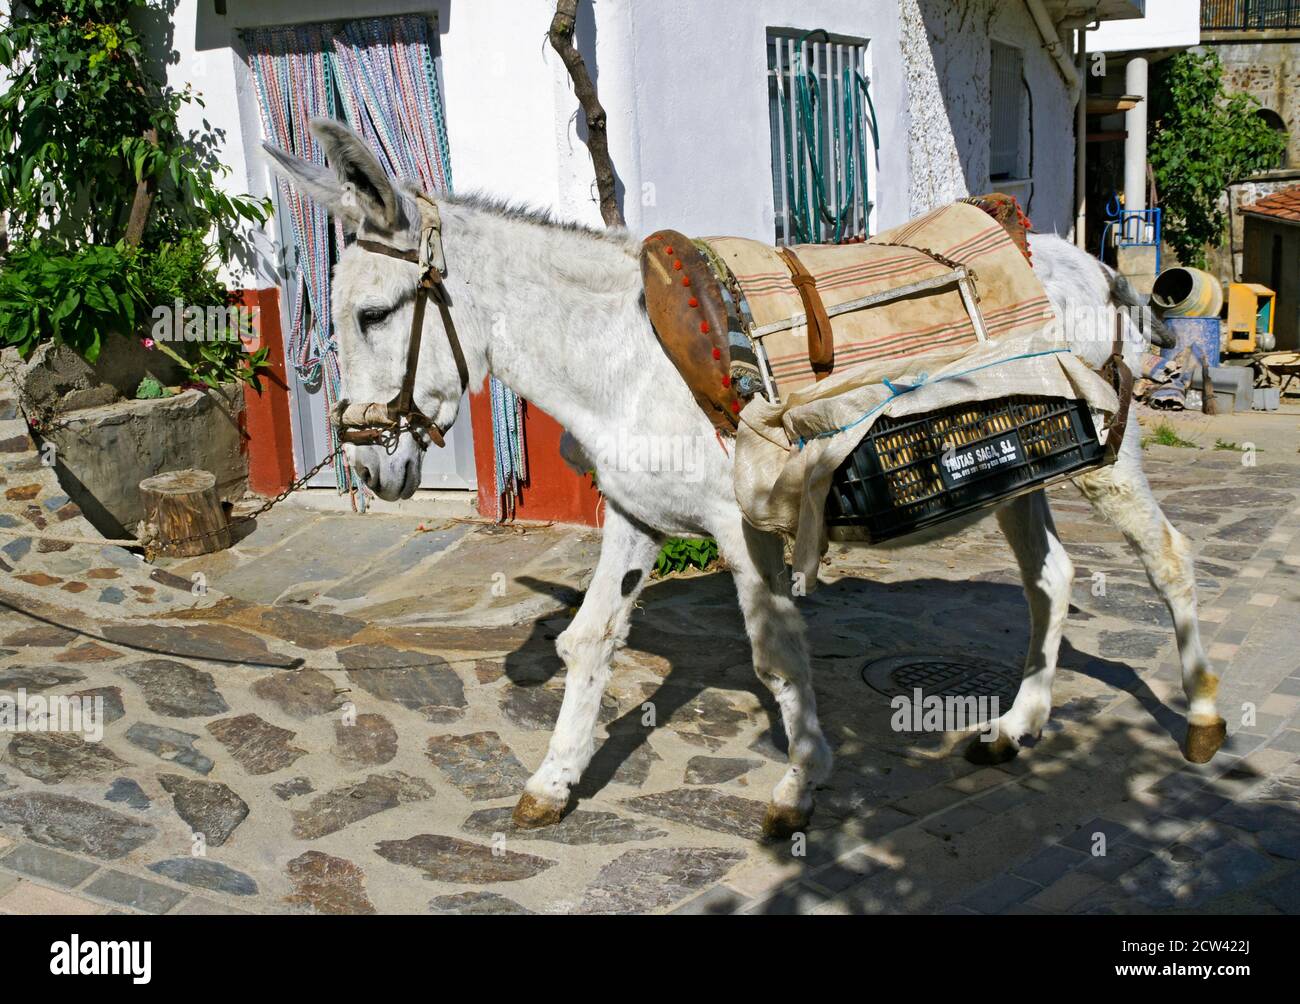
x: 337, y: 715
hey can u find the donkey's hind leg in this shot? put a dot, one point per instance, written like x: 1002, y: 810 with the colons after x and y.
x: 587, y: 646
x: 1121, y: 494
x: 780, y: 652
x: 1047, y: 573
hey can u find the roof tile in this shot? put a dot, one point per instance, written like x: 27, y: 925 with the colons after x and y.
x: 1281, y: 205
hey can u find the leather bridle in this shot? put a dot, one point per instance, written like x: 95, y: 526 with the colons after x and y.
x: 380, y: 424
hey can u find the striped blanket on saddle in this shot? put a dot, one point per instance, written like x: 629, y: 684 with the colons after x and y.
x: 1011, y: 300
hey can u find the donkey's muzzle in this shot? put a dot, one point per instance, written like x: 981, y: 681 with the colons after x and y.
x: 375, y: 424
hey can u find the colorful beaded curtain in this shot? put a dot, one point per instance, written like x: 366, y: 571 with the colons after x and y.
x: 380, y: 74
x: 293, y: 86
x: 389, y: 93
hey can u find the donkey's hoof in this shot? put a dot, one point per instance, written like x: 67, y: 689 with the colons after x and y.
x: 532, y: 813
x: 781, y: 822
x: 1000, y: 750
x: 1203, y: 741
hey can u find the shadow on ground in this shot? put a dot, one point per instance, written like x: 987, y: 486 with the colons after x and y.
x: 1069, y: 822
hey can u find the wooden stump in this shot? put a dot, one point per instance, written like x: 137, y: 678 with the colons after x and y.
x: 180, y: 504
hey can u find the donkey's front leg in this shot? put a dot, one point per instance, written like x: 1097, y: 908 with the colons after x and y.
x: 1047, y: 572
x: 780, y: 653
x: 587, y: 646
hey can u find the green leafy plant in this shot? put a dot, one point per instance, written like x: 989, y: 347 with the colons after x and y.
x: 679, y: 554
x: 83, y: 125
x: 1223, y: 444
x: 1164, y: 434
x: 150, y: 389
x: 1203, y: 140
x: 75, y: 297
x: 217, y: 365
x: 183, y: 269
x: 111, y: 209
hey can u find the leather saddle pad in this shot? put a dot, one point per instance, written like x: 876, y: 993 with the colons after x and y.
x: 685, y: 301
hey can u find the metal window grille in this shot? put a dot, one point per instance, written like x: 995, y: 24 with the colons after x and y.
x: 1249, y: 15
x: 824, y: 137
x: 1007, y: 114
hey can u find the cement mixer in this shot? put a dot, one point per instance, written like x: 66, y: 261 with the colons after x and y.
x: 1187, y: 292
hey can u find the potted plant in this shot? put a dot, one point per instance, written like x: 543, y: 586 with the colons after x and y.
x: 116, y: 221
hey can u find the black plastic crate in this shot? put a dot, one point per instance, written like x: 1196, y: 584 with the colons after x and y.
x: 897, y: 480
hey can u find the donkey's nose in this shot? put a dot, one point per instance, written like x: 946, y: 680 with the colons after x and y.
x: 369, y: 476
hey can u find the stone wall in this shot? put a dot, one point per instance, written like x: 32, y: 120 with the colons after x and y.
x: 106, y: 442
x: 946, y: 56
x: 104, y: 453
x: 1270, y: 71
x: 62, y: 380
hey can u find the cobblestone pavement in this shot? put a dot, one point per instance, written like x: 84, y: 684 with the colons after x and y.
x: 346, y: 708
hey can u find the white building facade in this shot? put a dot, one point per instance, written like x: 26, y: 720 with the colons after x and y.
x: 968, y: 96
x: 685, y: 85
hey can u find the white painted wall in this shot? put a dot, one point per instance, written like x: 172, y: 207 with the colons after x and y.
x: 1168, y: 24
x: 699, y: 104
x: 684, y: 83
x: 946, y: 51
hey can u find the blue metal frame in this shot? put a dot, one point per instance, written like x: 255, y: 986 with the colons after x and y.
x: 1132, y: 221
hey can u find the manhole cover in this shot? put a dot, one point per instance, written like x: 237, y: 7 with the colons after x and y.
x: 957, y: 676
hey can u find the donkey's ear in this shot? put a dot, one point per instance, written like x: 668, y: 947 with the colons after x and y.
x: 317, y: 183
x: 359, y: 171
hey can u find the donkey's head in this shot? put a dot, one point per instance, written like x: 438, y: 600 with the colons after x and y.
x: 374, y: 298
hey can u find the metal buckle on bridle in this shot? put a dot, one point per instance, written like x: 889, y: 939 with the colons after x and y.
x: 376, y: 423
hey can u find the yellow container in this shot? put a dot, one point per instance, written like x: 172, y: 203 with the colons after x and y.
x: 1250, y: 317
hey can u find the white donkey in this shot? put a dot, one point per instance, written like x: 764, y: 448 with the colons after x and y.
x: 555, y: 312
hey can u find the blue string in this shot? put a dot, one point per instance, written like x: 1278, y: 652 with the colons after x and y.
x: 896, y: 391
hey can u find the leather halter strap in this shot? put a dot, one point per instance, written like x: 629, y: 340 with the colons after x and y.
x: 1116, y: 372
x: 372, y: 423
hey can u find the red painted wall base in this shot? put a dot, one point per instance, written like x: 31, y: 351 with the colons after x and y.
x: 266, y: 416
x: 553, y: 492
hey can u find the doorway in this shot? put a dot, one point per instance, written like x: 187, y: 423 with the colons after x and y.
x: 382, y: 76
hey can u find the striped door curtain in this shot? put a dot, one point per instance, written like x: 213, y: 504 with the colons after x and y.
x: 293, y: 86
x: 377, y: 74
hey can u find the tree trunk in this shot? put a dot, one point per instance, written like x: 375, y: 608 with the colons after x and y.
x: 181, y: 504
x: 561, y: 36
x: 143, y: 201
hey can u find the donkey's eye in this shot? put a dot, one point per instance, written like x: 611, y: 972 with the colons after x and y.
x: 370, y: 316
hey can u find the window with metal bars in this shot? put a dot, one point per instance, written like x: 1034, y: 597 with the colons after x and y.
x: 1006, y: 112
x: 1248, y: 15
x: 824, y: 136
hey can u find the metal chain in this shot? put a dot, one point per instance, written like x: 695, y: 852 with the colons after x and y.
x: 929, y: 253
x: 42, y: 419
x: 388, y: 441
x: 153, y: 546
